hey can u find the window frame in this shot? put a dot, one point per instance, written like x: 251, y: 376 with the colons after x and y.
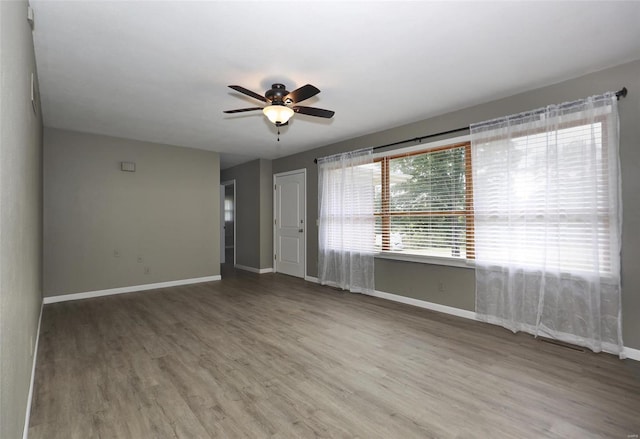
x: 431, y: 147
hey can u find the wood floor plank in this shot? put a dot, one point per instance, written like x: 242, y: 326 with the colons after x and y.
x: 270, y: 356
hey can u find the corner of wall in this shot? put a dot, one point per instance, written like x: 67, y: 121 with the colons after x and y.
x: 266, y: 214
x: 20, y: 216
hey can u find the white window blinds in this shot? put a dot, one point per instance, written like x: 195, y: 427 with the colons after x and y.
x: 552, y: 191
x: 423, y: 203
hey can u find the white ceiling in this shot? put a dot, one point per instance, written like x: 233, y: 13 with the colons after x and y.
x: 158, y: 71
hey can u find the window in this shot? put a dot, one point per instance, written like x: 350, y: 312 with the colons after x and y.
x: 423, y: 203
x: 346, y: 203
x: 539, y: 185
x: 547, y: 214
x: 228, y: 209
x: 549, y: 196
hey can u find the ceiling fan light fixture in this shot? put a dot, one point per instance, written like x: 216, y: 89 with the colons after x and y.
x: 278, y: 114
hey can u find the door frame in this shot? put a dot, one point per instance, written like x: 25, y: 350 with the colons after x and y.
x: 302, y: 171
x: 224, y: 184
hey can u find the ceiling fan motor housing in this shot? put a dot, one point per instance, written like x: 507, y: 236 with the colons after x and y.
x: 276, y: 94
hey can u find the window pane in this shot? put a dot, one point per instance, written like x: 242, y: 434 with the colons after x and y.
x: 377, y: 186
x: 346, y: 217
x: 546, y: 200
x: 428, y: 182
x: 429, y: 235
x: 426, y: 213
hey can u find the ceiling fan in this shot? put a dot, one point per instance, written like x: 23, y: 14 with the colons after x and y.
x: 281, y: 104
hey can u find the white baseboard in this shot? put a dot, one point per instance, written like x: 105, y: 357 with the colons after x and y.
x: 27, y: 417
x: 131, y: 289
x: 424, y: 304
x: 629, y: 353
x: 255, y: 270
x: 311, y: 279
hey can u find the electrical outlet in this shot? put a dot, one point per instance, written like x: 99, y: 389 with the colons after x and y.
x: 147, y: 270
x: 116, y: 253
x: 441, y: 287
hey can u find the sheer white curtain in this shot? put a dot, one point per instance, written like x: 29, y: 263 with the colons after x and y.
x: 347, y: 224
x: 548, y: 222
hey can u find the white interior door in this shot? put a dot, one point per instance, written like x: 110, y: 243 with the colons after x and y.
x: 289, y: 223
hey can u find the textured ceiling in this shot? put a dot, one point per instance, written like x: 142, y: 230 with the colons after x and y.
x: 158, y: 71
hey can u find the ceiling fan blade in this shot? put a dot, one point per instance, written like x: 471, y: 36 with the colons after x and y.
x: 248, y: 92
x: 302, y: 93
x: 242, y: 110
x: 312, y: 111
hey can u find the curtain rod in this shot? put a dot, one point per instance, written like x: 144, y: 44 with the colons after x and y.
x: 619, y: 94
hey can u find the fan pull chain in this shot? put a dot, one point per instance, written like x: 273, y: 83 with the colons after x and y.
x: 278, y: 134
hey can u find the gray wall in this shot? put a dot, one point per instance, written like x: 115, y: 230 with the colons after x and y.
x: 98, y: 220
x: 266, y: 214
x: 420, y: 280
x: 254, y: 200
x: 20, y: 216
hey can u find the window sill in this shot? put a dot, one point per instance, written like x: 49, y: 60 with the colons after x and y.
x: 434, y: 260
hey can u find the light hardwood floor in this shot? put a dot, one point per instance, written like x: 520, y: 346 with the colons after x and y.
x: 270, y: 356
